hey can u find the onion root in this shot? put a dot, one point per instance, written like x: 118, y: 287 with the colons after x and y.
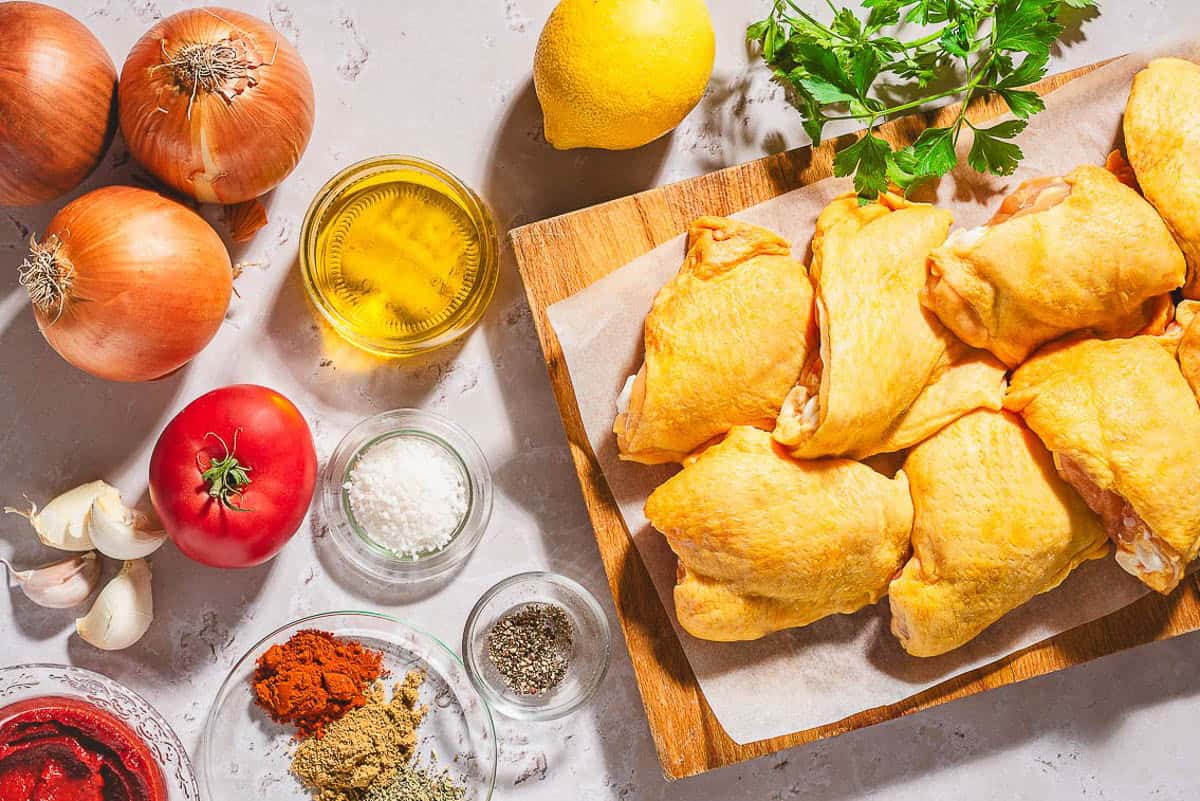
x: 222, y: 68
x: 47, y: 274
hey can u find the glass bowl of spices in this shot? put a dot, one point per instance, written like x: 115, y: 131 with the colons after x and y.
x: 537, y: 646
x: 398, y: 255
x: 348, y: 706
x: 407, y: 495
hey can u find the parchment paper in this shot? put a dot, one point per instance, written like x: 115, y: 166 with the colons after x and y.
x: 842, y: 665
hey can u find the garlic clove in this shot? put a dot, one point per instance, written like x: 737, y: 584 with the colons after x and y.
x: 123, y: 610
x: 60, y: 585
x: 62, y: 522
x: 121, y: 532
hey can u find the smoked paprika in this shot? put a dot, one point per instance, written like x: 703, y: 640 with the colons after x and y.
x: 314, y: 679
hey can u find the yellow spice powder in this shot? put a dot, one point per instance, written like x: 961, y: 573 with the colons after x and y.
x: 364, y: 748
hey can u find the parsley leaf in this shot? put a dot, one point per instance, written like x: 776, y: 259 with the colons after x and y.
x: 865, y: 68
x: 1031, y: 70
x: 934, y: 152
x: 883, y: 12
x: 823, y: 91
x: 901, y: 168
x: 867, y: 160
x: 1026, y: 26
x: 991, y: 153
x: 823, y: 63
x: 1022, y: 104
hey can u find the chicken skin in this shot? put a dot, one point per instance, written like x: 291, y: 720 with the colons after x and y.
x: 993, y: 526
x: 1187, y: 333
x: 1162, y: 137
x: 1080, y: 253
x: 767, y: 542
x: 1124, y: 428
x: 964, y: 379
x: 878, y: 347
x: 724, y: 343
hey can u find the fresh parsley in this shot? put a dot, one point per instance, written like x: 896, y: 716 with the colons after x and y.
x: 834, y: 71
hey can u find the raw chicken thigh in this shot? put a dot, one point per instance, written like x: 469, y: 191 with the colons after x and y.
x: 767, y: 542
x: 1162, y: 136
x: 993, y: 526
x: 725, y: 341
x: 878, y: 347
x: 1080, y: 253
x: 1124, y: 427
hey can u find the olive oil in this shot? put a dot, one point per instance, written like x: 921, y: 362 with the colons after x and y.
x: 399, y: 256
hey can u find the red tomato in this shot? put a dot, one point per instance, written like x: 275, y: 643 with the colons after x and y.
x: 232, y: 476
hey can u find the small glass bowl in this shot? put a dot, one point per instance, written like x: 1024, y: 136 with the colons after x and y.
x: 356, y: 544
x: 245, y: 755
x: 417, y: 171
x: 589, y: 661
x: 24, y: 682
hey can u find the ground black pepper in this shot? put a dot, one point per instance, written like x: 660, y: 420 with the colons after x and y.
x: 531, y: 647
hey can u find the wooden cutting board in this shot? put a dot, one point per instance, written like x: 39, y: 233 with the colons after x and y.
x: 563, y: 255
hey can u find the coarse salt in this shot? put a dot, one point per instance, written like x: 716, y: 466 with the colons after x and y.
x: 408, y: 494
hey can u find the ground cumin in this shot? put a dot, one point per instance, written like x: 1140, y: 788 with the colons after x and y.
x: 364, y: 749
x: 314, y: 679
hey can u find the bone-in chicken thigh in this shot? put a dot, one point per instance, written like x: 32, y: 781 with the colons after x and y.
x: 1079, y: 253
x: 1162, y: 137
x: 993, y: 526
x: 724, y: 343
x: 878, y: 346
x: 767, y: 542
x: 1124, y: 428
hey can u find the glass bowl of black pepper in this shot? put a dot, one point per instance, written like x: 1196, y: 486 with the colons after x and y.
x: 537, y: 646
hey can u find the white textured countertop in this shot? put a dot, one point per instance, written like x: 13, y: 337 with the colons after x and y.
x: 450, y: 81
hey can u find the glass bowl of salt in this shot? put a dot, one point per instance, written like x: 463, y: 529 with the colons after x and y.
x: 407, y: 495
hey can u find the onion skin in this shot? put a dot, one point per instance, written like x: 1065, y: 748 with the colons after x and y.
x: 150, y: 286
x: 225, y: 146
x: 55, y: 124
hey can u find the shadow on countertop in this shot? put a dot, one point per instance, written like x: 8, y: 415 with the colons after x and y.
x: 376, y: 592
x: 52, y: 407
x: 197, y: 610
x: 336, y: 372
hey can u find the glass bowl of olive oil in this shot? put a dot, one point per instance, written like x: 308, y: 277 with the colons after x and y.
x: 398, y: 255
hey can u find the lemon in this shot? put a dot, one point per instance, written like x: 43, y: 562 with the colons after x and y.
x: 616, y: 74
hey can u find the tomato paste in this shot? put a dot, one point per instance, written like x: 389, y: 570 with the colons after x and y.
x: 64, y: 749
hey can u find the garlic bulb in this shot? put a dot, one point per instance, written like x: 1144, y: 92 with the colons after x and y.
x: 123, y: 610
x: 121, y: 532
x: 62, y: 522
x: 59, y: 585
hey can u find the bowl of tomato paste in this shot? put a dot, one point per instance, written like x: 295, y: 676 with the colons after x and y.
x: 70, y: 734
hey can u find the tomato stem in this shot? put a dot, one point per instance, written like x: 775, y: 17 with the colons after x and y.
x: 226, y: 477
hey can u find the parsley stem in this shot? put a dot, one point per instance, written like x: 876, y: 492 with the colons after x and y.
x: 905, y: 106
x: 973, y: 86
x: 811, y: 20
x: 924, y: 40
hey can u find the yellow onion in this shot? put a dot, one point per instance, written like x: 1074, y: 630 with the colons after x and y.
x: 127, y: 284
x: 216, y: 104
x: 57, y: 103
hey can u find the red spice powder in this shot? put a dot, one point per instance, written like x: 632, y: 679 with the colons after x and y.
x: 313, y: 679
